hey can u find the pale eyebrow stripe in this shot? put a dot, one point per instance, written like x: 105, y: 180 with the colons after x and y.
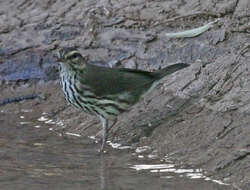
x: 68, y: 55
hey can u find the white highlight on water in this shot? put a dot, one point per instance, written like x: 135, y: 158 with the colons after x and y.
x: 118, y: 146
x: 26, y: 110
x: 24, y: 122
x: 50, y: 122
x: 73, y: 134
x: 170, y: 168
x: 142, y: 149
x: 154, y: 167
x: 42, y: 118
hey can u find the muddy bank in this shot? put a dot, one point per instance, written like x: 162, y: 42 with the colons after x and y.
x: 198, y: 116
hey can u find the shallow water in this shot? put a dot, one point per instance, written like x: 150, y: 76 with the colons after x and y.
x: 33, y: 156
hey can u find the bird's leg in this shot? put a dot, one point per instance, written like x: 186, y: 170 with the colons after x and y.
x: 113, y: 124
x: 145, y: 103
x: 104, y: 130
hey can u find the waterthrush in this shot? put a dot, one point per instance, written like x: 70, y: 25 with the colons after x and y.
x: 105, y: 92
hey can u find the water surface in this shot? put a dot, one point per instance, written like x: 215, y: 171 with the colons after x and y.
x: 34, y: 156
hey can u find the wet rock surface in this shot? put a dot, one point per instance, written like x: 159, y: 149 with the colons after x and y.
x: 199, y: 116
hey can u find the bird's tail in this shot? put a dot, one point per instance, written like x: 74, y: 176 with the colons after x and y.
x: 170, y: 69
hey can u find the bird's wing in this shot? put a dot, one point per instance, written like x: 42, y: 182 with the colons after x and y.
x: 111, y: 82
x: 107, y: 81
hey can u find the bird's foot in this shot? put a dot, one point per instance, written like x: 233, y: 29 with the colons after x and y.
x: 102, y: 149
x: 99, y: 138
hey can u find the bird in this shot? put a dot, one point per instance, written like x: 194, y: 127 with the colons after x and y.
x: 102, y: 91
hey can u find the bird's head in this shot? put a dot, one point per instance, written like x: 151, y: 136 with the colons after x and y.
x: 70, y: 57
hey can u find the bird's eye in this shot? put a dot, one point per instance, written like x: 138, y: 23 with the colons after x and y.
x: 75, y: 55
